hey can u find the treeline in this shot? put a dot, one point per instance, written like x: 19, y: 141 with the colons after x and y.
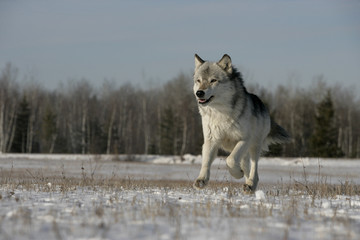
x: 76, y: 118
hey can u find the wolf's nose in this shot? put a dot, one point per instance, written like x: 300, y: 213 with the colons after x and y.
x: 200, y: 93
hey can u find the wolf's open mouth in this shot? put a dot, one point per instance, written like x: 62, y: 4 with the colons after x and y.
x: 203, y: 101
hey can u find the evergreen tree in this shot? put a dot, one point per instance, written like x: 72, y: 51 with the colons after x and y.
x: 275, y: 150
x: 171, y: 128
x: 97, y: 141
x: 323, y: 142
x: 49, y: 130
x: 21, y: 129
x: 167, y: 132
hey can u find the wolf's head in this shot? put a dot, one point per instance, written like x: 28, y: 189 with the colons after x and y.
x: 213, y: 81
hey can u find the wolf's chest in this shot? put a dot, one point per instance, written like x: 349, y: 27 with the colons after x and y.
x: 221, y: 128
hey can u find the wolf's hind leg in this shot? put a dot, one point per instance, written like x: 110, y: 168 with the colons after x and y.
x: 245, y: 165
x: 253, y: 177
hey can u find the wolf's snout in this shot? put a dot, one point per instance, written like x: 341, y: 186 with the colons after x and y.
x: 200, y: 94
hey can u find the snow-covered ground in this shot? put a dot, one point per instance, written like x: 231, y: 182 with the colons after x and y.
x: 271, y: 170
x: 106, y: 197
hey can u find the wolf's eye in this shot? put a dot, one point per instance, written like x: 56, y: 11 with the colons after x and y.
x: 198, y: 81
x: 213, y: 80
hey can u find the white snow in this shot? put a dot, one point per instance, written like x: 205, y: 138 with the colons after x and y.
x: 260, y: 195
x: 47, y: 211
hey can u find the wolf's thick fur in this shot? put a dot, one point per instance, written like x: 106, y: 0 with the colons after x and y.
x: 232, y: 119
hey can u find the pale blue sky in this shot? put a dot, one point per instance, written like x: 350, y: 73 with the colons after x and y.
x: 153, y: 41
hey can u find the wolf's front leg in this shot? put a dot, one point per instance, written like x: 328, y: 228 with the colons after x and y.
x: 209, y: 152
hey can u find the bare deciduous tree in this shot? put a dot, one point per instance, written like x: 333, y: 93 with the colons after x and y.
x: 79, y: 119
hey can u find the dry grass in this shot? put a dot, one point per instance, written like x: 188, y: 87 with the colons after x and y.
x: 30, y: 179
x: 27, y: 178
x: 292, y: 203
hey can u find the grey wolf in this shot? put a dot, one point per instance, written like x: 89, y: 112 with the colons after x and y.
x: 232, y: 119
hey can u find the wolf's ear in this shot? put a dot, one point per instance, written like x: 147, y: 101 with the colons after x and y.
x: 198, y: 61
x: 225, y: 63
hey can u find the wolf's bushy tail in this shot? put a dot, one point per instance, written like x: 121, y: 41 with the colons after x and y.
x: 277, y: 134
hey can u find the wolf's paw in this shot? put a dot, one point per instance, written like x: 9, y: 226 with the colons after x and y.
x: 248, y: 189
x: 200, y: 183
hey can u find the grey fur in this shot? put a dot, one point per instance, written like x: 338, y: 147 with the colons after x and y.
x: 258, y: 106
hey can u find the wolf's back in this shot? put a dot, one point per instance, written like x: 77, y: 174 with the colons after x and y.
x: 277, y: 134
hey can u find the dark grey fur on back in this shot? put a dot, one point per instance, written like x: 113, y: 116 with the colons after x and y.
x: 277, y: 133
x: 236, y: 78
x: 258, y: 106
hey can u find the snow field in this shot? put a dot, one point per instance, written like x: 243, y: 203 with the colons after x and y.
x: 79, y: 201
x: 139, y: 211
